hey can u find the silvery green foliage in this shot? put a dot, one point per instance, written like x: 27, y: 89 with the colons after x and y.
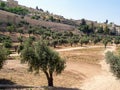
x: 114, y: 61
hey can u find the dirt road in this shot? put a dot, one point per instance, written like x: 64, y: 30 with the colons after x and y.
x: 104, y: 81
x: 82, y: 69
x: 76, y: 48
x: 95, y: 77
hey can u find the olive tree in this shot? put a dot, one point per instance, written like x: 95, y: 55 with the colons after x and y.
x: 20, y: 31
x: 84, y: 40
x: 20, y: 39
x: 11, y: 29
x: 40, y: 57
x: 106, y: 41
x: 114, y: 61
x: 30, y: 31
x: 7, y: 44
x: 71, y: 41
x: 117, y: 41
x: 21, y: 46
x: 3, y: 55
x: 54, y: 43
x: 96, y: 40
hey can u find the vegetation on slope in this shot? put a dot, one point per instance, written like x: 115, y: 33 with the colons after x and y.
x: 17, y: 10
x: 114, y: 61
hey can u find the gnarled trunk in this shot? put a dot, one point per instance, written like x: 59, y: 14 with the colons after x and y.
x: 49, y: 78
x: 50, y: 81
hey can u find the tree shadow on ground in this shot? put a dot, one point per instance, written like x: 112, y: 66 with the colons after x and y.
x: 60, y: 88
x: 6, y: 82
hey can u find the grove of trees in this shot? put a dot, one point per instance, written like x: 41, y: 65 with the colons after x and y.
x: 39, y: 56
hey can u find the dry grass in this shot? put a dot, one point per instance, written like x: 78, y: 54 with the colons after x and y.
x: 90, y: 55
x: 21, y: 76
x: 117, y: 50
x: 18, y: 73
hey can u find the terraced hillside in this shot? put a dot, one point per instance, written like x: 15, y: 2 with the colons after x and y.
x: 10, y: 17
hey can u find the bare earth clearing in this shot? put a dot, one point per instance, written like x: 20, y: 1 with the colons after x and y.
x: 104, y: 81
x: 83, y: 70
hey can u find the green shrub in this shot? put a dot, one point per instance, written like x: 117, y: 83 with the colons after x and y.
x: 114, y: 61
x: 3, y: 55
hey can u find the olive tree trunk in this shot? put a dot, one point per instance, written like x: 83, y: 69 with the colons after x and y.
x: 49, y: 79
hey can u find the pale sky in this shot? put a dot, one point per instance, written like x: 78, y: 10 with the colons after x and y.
x: 96, y: 10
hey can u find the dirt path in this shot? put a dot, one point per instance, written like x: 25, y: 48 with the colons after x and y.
x: 104, y: 81
x: 76, y: 48
x: 95, y: 77
x: 82, y: 69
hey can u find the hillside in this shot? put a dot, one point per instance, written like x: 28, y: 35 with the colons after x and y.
x: 35, y: 17
x: 16, y: 19
x: 11, y: 11
x: 11, y: 17
x: 38, y: 45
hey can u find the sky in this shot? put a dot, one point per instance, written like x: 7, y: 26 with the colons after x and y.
x: 96, y: 10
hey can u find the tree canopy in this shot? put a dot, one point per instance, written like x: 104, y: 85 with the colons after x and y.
x: 40, y: 57
x: 114, y: 61
x: 3, y: 56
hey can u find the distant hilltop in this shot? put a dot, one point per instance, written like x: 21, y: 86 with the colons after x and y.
x: 12, y: 12
x: 11, y: 3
